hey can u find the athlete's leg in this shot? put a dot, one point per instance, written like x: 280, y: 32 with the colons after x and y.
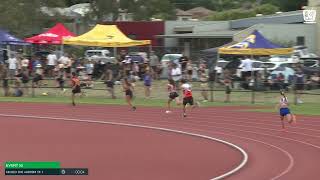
x: 73, y: 98
x: 282, y: 121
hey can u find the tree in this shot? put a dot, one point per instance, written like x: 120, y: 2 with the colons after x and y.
x: 103, y: 10
x: 144, y: 10
x: 266, y: 9
x: 184, y: 4
x: 55, y: 3
x: 73, y: 2
x: 21, y: 18
x: 286, y: 5
x: 231, y: 15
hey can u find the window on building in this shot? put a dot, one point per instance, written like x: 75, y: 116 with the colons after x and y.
x: 300, y: 41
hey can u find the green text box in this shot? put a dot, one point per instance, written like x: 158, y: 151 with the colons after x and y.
x: 32, y: 165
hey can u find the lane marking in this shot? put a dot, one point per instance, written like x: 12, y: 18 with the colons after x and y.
x: 240, y: 166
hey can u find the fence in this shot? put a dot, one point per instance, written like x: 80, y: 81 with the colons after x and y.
x: 216, y: 92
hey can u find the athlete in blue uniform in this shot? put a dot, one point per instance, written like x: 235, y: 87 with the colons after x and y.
x: 284, y: 110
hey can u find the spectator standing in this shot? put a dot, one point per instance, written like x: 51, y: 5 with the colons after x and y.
x: 5, y: 81
x: 25, y: 64
x: 66, y: 61
x: 122, y: 55
x: 203, y: 77
x: 246, y: 66
x: 183, y: 61
x: 189, y: 70
x: 109, y: 81
x: 314, y: 81
x: 23, y: 77
x: 154, y: 63
x: 176, y: 74
x: 13, y: 65
x: 228, y: 85
x: 147, y: 79
x: 36, y: 82
x: 35, y: 62
x: 51, y: 63
x: 61, y: 77
x: 89, y: 68
x: 280, y: 81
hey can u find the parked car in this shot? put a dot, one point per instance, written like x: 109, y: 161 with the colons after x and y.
x: 41, y: 54
x: 303, y: 52
x: 286, y: 71
x: 256, y: 66
x: 165, y: 60
x: 271, y: 66
x: 103, y: 56
x: 220, y: 65
x: 170, y: 58
x: 133, y: 58
x: 310, y: 70
x: 311, y: 62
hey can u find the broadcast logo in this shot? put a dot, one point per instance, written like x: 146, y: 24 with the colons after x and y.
x: 309, y: 16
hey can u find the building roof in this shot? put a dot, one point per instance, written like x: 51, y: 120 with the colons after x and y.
x: 281, y: 18
x: 180, y: 12
x: 207, y: 34
x: 72, y: 11
x: 199, y: 12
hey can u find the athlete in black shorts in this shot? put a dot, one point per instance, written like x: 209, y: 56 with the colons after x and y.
x: 172, y: 94
x: 127, y: 88
x: 75, y: 82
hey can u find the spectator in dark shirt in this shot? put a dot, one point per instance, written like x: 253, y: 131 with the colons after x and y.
x: 183, y: 61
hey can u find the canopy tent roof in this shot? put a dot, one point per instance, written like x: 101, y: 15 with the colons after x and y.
x: 216, y: 49
x: 255, y: 44
x: 52, y: 36
x: 6, y: 38
x: 105, y: 36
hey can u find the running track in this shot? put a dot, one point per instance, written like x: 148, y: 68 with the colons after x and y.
x: 273, y: 154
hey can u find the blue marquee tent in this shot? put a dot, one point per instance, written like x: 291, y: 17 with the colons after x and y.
x: 6, y: 38
x: 255, y: 44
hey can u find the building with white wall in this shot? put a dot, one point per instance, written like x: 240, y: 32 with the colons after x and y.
x: 286, y: 29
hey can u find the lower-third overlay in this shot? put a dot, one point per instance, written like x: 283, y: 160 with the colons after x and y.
x: 41, y: 168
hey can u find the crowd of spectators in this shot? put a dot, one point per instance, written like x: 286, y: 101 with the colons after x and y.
x: 29, y: 72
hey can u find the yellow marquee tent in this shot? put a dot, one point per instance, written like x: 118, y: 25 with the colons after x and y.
x: 105, y: 36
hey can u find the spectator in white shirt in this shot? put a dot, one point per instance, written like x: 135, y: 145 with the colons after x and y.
x: 12, y: 61
x: 246, y: 66
x: 66, y: 61
x: 176, y: 74
x: 51, y: 63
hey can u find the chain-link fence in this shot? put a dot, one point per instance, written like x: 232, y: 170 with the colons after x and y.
x: 216, y: 92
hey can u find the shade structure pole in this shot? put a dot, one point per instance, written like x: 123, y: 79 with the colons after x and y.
x: 213, y: 81
x: 61, y: 50
x: 115, y: 52
x: 253, y: 83
x: 150, y: 50
x: 8, y: 51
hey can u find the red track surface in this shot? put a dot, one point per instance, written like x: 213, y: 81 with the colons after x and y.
x: 273, y: 153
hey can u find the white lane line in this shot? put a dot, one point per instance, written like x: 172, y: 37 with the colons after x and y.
x: 282, y: 173
x: 238, y: 119
x: 290, y: 157
x: 241, y: 165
